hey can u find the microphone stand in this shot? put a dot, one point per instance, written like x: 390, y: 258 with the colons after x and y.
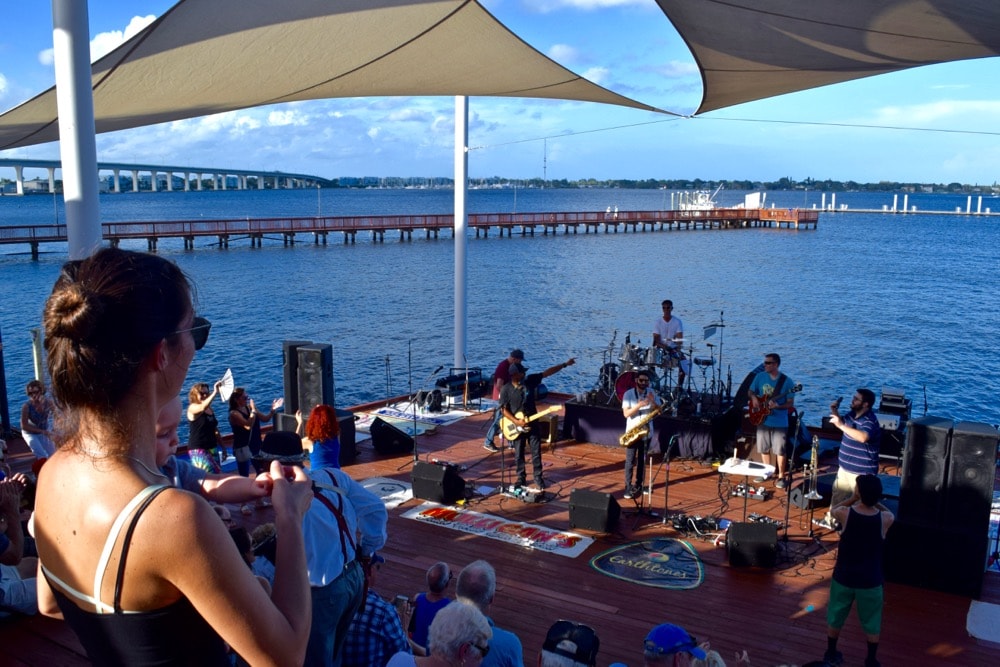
x: 413, y: 411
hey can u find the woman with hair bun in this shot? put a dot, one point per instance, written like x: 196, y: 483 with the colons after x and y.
x: 143, y: 572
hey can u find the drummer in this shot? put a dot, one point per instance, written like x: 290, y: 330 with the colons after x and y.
x: 668, y: 335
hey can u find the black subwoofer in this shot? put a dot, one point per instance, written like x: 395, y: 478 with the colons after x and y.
x: 389, y: 440
x: 593, y: 510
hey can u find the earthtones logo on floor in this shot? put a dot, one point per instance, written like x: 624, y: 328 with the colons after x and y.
x: 660, y: 563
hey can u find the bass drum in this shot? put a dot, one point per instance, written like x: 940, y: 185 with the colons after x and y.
x: 624, y: 382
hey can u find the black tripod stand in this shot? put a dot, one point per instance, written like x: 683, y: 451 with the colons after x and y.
x: 641, y: 510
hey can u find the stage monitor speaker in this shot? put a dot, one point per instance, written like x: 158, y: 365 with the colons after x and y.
x: 936, y: 557
x: 752, y: 544
x: 824, y: 487
x: 593, y: 510
x: 971, y: 471
x: 925, y: 464
x: 315, y: 376
x: 389, y: 440
x: 437, y: 483
x: 290, y: 372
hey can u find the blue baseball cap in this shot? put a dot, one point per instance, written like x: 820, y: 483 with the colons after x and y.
x: 668, y: 638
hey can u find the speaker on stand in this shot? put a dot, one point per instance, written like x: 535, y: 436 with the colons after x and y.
x: 290, y: 374
x: 925, y: 465
x: 315, y: 376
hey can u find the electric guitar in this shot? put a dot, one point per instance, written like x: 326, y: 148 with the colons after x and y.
x: 511, y: 431
x: 758, y: 415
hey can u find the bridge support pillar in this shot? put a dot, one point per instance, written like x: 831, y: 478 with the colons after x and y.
x: 34, y: 250
x: 151, y: 243
x: 223, y: 241
x: 189, y: 243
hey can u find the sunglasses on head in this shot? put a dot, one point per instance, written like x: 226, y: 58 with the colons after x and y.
x: 199, y: 332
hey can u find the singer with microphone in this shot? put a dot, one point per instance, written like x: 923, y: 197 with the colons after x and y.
x: 859, y: 446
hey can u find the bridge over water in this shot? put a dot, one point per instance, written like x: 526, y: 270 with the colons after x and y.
x: 255, y: 230
x: 220, y: 177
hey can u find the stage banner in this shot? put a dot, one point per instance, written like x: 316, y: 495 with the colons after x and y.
x: 526, y: 535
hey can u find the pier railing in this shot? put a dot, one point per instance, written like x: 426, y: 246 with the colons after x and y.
x: 320, y: 226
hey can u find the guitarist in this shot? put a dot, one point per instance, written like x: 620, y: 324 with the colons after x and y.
x: 772, y: 434
x: 517, y: 401
x: 636, y: 404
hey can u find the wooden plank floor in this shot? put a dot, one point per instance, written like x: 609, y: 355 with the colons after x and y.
x: 763, y: 611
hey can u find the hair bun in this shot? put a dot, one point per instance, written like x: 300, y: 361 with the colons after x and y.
x: 74, y: 313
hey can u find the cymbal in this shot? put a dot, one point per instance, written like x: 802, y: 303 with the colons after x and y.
x: 721, y: 326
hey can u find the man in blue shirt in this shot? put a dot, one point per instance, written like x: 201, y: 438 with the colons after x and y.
x: 859, y: 447
x: 477, y: 583
x: 773, y: 389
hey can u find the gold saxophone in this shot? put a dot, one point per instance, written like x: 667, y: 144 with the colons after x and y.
x: 639, y: 431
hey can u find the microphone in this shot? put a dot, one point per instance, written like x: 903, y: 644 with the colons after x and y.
x: 709, y: 344
x: 437, y: 370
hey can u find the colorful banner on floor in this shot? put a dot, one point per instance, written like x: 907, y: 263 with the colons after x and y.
x: 522, y: 534
x: 661, y: 563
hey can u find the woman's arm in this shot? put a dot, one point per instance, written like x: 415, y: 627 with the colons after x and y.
x: 197, y: 407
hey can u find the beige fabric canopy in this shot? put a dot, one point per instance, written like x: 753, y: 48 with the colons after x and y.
x: 208, y: 56
x: 752, y: 49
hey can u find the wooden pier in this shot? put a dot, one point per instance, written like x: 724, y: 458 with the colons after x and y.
x: 320, y: 227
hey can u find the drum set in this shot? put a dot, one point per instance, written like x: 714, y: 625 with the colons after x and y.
x: 622, y: 364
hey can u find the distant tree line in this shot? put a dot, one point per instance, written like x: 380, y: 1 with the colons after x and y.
x: 827, y: 185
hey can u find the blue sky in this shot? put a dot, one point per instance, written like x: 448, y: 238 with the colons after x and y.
x: 625, y: 45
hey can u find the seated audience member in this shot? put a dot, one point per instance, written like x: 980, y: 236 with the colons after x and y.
x: 322, y: 437
x: 376, y: 632
x: 427, y: 605
x: 344, y: 527
x: 669, y: 644
x: 17, y: 573
x: 219, y: 488
x: 569, y: 644
x: 36, y: 421
x: 477, y: 583
x: 459, y: 635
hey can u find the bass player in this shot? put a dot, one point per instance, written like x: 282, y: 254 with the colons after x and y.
x: 638, y: 404
x: 770, y: 390
x: 517, y: 401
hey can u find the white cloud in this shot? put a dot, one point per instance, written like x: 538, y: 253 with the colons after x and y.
x: 677, y: 69
x: 3, y: 84
x: 545, y: 6
x: 937, y: 112
x: 563, y: 54
x: 105, y: 42
x: 597, y: 74
x: 280, y: 118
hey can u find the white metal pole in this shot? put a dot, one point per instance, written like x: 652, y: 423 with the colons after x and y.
x: 461, y: 222
x: 77, y: 144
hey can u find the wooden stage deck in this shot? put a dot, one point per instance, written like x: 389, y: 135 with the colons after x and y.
x: 765, y: 611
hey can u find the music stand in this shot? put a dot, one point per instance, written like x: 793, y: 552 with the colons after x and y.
x: 735, y: 466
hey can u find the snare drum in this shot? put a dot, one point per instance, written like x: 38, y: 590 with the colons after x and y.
x: 701, y: 361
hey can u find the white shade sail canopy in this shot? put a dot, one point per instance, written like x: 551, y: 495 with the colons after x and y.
x: 753, y: 49
x: 209, y: 56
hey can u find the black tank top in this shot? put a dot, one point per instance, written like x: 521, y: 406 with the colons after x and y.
x: 201, y: 431
x: 173, y: 635
x: 859, y: 556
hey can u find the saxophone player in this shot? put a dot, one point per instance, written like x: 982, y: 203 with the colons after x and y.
x: 638, y: 402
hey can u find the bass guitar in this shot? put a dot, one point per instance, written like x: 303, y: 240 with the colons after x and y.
x: 758, y: 415
x: 511, y: 431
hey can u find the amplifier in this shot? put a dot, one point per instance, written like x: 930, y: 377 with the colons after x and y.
x: 888, y: 422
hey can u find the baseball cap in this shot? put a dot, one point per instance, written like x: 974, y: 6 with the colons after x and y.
x: 516, y: 368
x: 668, y: 638
x: 575, y: 641
x: 517, y: 354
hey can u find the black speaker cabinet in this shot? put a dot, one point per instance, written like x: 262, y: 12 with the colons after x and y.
x: 290, y: 373
x: 593, y: 510
x: 754, y: 544
x: 438, y: 483
x: 925, y: 464
x: 824, y: 487
x: 389, y: 440
x: 971, y: 470
x: 936, y: 557
x: 315, y: 376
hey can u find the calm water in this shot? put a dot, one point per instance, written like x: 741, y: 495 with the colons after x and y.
x: 867, y: 300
